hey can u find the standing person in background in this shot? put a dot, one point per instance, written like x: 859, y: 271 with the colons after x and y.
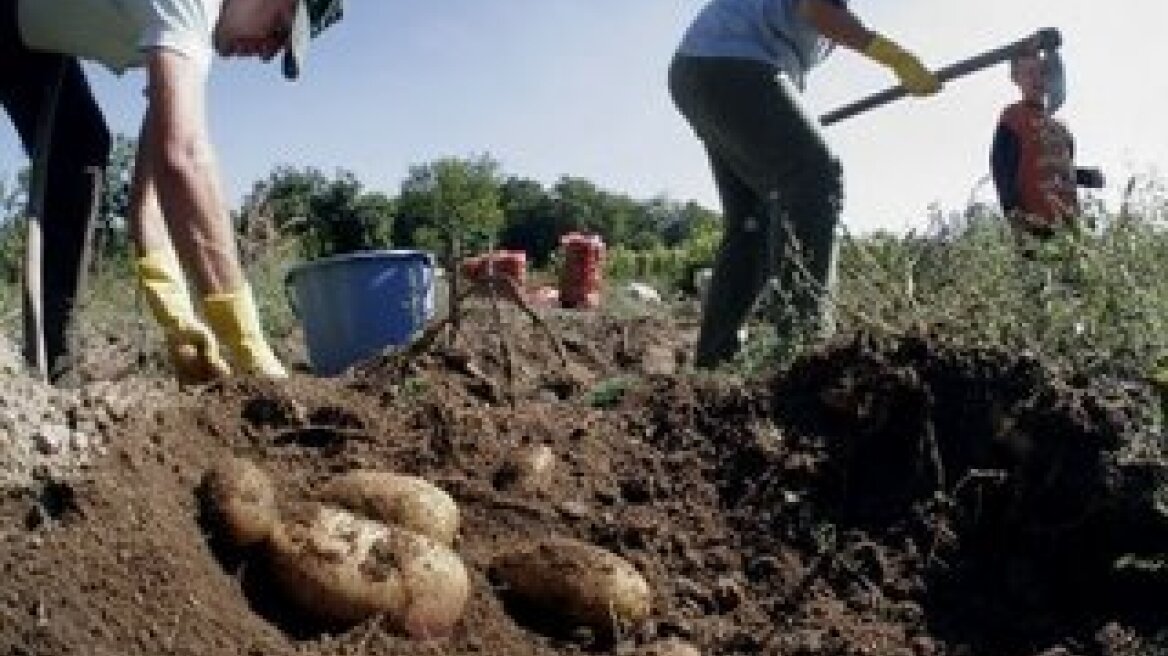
x: 1032, y: 156
x: 178, y: 218
x: 736, y: 78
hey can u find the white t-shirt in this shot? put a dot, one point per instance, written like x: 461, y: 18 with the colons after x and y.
x: 118, y: 33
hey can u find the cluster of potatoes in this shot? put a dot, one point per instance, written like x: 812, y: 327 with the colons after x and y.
x: 371, y: 543
x: 367, y: 543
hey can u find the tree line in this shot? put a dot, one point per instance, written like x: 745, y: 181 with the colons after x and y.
x: 469, y: 204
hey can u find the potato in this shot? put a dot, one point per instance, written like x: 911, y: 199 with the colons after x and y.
x: 580, y: 582
x: 343, y: 568
x: 407, y: 501
x: 669, y: 647
x: 241, y: 500
x: 528, y: 468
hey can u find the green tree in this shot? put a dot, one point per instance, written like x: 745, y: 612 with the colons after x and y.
x: 577, y: 204
x: 285, y: 198
x: 452, y: 205
x: 10, y: 200
x: 342, y: 219
x: 328, y: 216
x: 112, y: 239
x: 11, y: 229
x: 530, y: 223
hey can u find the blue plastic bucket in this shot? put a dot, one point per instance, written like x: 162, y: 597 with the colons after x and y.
x: 354, y: 306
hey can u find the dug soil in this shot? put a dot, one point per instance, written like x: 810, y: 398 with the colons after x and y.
x: 881, y: 496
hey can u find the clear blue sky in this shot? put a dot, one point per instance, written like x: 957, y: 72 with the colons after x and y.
x: 553, y: 87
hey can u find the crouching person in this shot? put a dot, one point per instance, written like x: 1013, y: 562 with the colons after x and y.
x: 178, y: 219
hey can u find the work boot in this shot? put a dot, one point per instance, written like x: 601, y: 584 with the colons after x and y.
x: 191, y: 346
x: 235, y: 321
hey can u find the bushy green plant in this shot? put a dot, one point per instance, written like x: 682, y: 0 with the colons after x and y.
x: 1096, y: 302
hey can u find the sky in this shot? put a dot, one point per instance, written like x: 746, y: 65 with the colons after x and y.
x: 577, y: 87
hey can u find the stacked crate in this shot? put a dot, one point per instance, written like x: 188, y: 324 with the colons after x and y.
x: 581, y: 277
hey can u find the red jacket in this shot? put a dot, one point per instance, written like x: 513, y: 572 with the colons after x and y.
x: 1033, y: 165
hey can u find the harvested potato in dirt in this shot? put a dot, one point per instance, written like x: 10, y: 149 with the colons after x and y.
x: 528, y: 468
x: 241, y: 501
x: 670, y: 647
x: 343, y: 568
x: 410, y: 502
x: 579, y: 582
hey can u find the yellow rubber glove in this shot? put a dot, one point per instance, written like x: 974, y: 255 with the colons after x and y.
x: 193, y: 352
x: 913, y: 75
x: 236, y: 323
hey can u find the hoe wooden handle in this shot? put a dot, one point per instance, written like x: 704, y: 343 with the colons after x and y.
x: 1044, y: 39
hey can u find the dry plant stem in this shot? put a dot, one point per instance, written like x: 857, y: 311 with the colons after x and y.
x: 371, y: 630
x: 992, y: 475
x: 454, y: 316
x: 974, y: 475
x: 931, y: 558
x: 950, y: 499
x: 806, y: 278
x: 933, y: 451
x: 510, y: 290
x: 828, y: 560
x: 504, y: 346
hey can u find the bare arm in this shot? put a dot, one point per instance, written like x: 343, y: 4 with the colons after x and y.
x: 836, y: 23
x: 178, y: 170
x: 147, y: 225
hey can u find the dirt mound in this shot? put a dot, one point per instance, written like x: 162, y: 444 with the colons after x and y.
x: 1020, y: 502
x: 896, y: 498
x: 503, y: 357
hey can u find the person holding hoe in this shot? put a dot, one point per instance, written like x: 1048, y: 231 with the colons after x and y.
x: 736, y: 78
x: 178, y: 219
x: 1032, y: 156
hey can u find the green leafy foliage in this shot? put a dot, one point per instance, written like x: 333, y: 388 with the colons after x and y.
x: 533, y: 221
x: 451, y: 201
x: 1097, y: 303
x: 111, y: 239
x: 329, y: 216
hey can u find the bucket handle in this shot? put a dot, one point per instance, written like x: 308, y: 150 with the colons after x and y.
x: 417, y: 288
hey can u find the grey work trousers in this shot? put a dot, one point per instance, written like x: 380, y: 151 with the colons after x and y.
x: 781, y: 191
x: 79, y: 152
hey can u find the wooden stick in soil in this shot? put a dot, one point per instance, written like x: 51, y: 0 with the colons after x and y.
x: 511, y: 292
x: 516, y: 297
x: 454, y: 311
x: 504, y: 346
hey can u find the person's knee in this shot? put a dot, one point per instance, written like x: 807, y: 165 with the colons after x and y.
x: 824, y: 178
x: 815, y: 193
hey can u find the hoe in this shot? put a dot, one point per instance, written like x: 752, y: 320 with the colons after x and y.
x: 1047, y: 39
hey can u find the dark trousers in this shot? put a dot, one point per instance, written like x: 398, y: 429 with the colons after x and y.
x: 781, y: 191
x: 79, y: 151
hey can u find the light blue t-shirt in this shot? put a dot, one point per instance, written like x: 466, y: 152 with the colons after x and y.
x: 765, y: 30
